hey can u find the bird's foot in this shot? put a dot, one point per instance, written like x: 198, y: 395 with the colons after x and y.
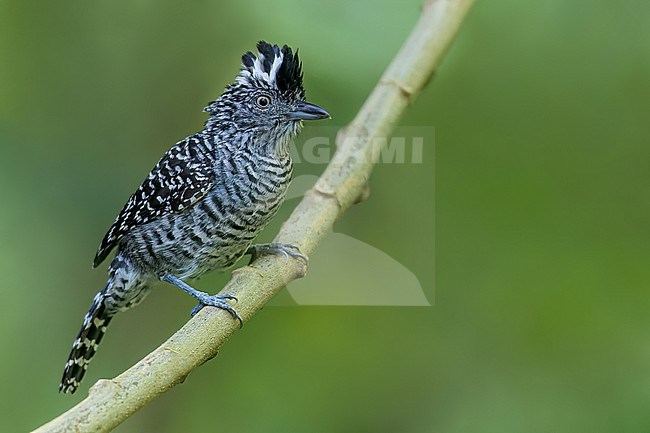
x: 288, y: 250
x: 204, y: 299
x: 218, y: 301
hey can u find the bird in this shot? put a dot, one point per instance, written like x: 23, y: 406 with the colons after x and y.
x: 206, y: 200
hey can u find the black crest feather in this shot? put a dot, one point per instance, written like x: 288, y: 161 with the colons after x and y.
x: 288, y: 76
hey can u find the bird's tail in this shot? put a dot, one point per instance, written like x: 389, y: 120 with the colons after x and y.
x: 85, y: 346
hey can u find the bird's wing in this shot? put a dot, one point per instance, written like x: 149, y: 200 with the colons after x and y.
x: 177, y: 182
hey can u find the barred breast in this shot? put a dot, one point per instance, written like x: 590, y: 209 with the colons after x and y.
x: 215, y: 232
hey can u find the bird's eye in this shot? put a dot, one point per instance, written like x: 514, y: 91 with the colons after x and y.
x: 263, y: 101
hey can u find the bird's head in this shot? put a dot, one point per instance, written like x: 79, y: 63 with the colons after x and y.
x: 268, y: 94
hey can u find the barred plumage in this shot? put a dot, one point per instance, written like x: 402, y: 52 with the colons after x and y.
x: 207, y: 199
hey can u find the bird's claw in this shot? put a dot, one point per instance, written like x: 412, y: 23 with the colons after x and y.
x: 218, y: 301
x: 288, y: 250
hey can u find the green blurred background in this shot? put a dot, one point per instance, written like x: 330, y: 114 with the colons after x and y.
x: 540, y: 231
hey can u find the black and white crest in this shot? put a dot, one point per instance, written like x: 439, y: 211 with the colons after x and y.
x: 276, y: 67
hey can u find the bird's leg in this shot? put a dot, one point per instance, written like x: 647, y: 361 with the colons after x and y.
x: 204, y: 299
x: 256, y: 250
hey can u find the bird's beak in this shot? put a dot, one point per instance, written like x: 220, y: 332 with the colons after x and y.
x: 306, y: 111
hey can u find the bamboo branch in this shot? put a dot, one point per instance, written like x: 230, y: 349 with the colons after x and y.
x: 110, y: 402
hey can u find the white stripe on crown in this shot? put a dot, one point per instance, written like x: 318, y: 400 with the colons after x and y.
x: 258, y: 70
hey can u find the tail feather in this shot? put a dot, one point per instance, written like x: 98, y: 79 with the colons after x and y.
x: 85, y: 346
x: 125, y: 289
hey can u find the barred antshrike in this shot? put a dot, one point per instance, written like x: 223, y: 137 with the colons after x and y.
x: 207, y: 198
